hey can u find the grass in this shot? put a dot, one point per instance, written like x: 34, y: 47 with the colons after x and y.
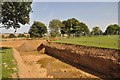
x: 8, y: 62
x: 97, y: 41
x: 0, y: 64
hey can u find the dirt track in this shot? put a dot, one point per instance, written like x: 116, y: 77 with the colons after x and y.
x: 33, y: 64
x: 26, y: 70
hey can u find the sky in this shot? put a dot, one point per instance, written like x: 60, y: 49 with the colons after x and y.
x: 93, y: 14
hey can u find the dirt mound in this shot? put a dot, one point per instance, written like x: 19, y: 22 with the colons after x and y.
x: 25, y: 47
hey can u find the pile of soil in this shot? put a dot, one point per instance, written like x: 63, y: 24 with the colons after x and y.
x: 25, y: 47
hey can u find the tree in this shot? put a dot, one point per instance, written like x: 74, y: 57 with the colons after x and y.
x: 38, y: 29
x: 84, y: 30
x: 11, y: 36
x: 73, y: 26
x: 55, y: 26
x: 21, y: 35
x: 77, y: 30
x: 15, y: 13
x: 112, y: 29
x: 69, y: 26
x: 64, y: 29
x: 96, y: 31
x: 3, y: 36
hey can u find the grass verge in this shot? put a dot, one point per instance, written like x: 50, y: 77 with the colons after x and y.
x: 8, y: 63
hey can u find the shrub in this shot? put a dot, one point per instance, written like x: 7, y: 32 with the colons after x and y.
x: 11, y: 36
x: 3, y: 36
x: 21, y: 35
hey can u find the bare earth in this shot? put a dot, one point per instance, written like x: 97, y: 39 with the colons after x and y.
x: 33, y: 64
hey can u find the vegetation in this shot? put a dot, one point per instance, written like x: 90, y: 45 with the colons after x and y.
x: 27, y: 36
x: 0, y: 62
x: 113, y: 29
x: 98, y: 41
x: 96, y: 31
x: 38, y: 29
x: 11, y: 36
x: 3, y: 36
x: 21, y: 35
x: 73, y: 26
x: 55, y: 26
x: 8, y: 63
x: 15, y: 13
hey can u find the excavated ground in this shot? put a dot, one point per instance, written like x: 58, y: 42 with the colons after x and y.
x: 86, y: 50
x: 33, y: 64
x: 99, y: 60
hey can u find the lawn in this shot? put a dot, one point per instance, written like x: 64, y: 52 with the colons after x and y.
x: 8, y: 62
x: 0, y: 64
x: 98, y: 41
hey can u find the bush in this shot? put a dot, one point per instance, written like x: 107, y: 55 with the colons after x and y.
x: 54, y: 34
x: 27, y: 36
x: 11, y: 36
x: 3, y: 36
x: 21, y: 35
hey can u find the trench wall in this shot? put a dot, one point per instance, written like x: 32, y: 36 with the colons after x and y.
x: 99, y: 64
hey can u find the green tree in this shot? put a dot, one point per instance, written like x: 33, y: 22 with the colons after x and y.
x: 55, y: 26
x: 96, y: 31
x: 65, y: 28
x: 69, y: 26
x: 3, y: 36
x: 73, y: 26
x: 112, y: 29
x: 78, y: 31
x: 84, y: 30
x: 15, y: 13
x: 71, y: 23
x: 38, y: 29
x: 11, y: 36
x: 21, y: 35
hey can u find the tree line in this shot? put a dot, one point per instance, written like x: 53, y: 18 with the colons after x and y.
x: 16, y: 13
x: 15, y: 36
x: 70, y: 27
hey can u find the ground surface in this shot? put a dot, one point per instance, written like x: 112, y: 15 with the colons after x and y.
x: 98, y: 41
x: 33, y: 64
x: 9, y: 64
x: 104, y: 60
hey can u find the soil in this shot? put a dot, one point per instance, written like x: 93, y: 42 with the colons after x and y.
x: 59, y: 69
x: 84, y: 50
x: 105, y: 61
x: 25, y: 47
x: 34, y: 64
x: 27, y: 68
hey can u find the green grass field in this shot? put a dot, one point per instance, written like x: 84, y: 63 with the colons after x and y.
x: 98, y: 41
x: 8, y: 62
